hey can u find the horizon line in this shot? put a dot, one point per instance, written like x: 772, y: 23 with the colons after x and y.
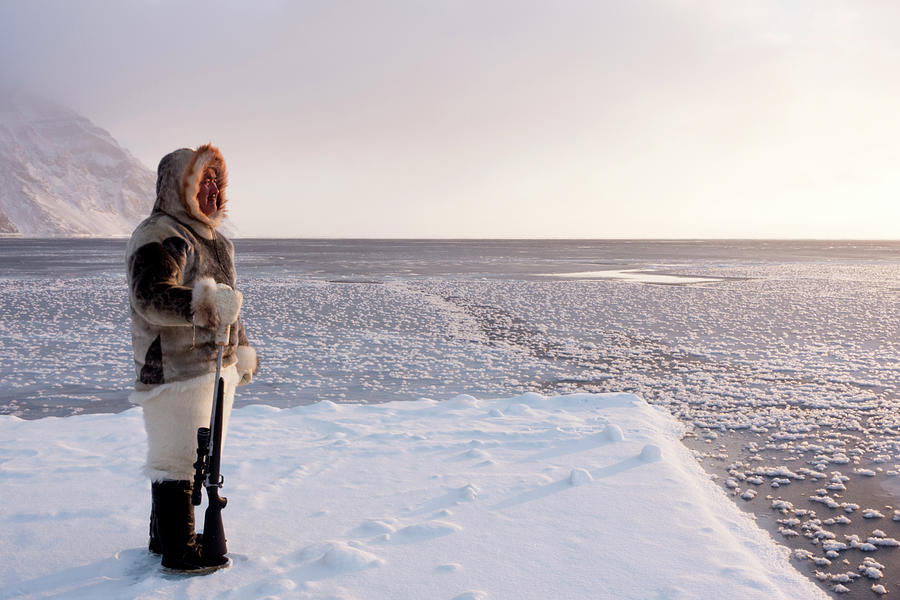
x: 18, y: 236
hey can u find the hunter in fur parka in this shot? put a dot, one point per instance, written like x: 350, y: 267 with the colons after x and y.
x: 181, y: 279
x: 174, y: 260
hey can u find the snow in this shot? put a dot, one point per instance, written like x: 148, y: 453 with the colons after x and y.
x: 61, y: 175
x: 467, y: 498
x: 798, y: 356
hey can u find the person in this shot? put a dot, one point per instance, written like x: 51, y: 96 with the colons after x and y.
x: 180, y: 271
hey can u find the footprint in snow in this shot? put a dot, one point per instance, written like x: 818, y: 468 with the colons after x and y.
x: 472, y: 595
x: 424, y: 532
x: 448, y: 568
x: 373, y: 527
x: 332, y: 558
x: 461, y: 401
x: 293, y: 475
x: 453, y: 497
x: 471, y: 454
x: 340, y: 557
x: 276, y: 588
x: 580, y: 477
x: 468, y: 493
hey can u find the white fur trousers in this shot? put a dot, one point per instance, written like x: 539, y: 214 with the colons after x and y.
x: 172, y: 414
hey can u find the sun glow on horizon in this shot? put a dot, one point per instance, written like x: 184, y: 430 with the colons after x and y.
x: 667, y: 119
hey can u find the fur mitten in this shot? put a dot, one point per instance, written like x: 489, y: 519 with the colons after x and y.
x: 247, y: 364
x: 203, y: 304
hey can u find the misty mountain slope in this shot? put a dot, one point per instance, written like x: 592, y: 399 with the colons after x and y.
x: 61, y: 175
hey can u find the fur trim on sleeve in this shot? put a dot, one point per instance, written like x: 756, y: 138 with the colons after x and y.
x: 203, y: 303
x: 247, y: 361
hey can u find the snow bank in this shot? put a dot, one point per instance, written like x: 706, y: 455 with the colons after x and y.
x: 580, y: 496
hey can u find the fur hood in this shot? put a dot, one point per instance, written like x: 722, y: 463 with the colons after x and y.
x: 177, y: 183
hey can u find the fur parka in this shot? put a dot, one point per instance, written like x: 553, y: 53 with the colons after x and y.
x: 174, y: 259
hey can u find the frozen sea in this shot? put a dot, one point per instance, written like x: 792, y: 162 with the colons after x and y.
x: 731, y: 325
x: 780, y: 357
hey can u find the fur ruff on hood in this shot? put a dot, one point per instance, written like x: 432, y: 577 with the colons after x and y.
x: 178, y: 180
x: 203, y: 157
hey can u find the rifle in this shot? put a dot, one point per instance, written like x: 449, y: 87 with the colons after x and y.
x: 209, y: 446
x: 207, y: 473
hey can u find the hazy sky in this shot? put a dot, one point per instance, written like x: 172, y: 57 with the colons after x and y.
x: 635, y: 118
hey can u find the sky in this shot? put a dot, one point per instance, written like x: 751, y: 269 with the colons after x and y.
x: 508, y: 118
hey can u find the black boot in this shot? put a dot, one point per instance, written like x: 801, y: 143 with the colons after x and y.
x: 154, y: 545
x: 175, y: 530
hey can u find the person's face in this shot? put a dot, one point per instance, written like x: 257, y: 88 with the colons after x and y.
x: 208, y: 194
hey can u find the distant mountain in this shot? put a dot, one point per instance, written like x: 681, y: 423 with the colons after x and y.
x: 61, y: 175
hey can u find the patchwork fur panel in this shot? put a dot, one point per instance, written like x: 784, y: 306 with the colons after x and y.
x: 156, y: 290
x: 203, y: 304
x: 164, y: 260
x: 152, y: 371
